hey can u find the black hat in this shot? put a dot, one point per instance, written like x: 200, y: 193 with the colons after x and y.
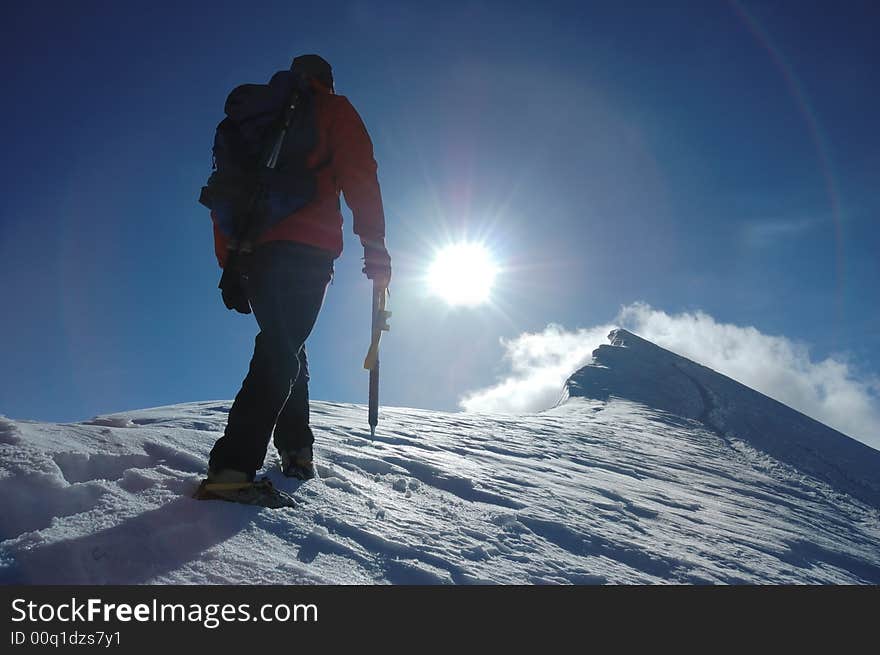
x: 314, y: 66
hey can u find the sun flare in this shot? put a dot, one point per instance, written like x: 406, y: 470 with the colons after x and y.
x: 463, y: 274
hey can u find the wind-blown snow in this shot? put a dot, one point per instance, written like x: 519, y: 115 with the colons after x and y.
x: 613, y: 490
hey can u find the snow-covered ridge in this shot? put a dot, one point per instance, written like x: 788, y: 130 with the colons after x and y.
x: 635, y: 369
x: 636, y: 481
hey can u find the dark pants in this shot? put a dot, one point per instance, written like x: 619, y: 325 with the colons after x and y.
x: 285, y: 285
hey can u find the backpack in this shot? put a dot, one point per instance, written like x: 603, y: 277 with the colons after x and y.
x: 260, y: 174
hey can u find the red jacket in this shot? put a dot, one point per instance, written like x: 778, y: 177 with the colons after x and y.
x: 344, y: 143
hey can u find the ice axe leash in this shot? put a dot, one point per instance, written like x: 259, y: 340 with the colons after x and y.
x: 371, y: 362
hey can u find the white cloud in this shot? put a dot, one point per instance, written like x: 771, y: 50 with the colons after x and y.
x: 829, y: 390
x: 539, y: 365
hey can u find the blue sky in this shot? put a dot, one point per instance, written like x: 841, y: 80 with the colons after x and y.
x: 714, y: 156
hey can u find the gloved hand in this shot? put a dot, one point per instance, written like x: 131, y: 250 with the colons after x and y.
x: 377, y: 263
x: 233, y: 291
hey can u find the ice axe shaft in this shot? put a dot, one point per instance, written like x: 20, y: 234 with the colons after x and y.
x: 371, y: 362
x: 374, y: 399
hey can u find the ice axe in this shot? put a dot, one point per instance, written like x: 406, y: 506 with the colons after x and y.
x: 371, y: 363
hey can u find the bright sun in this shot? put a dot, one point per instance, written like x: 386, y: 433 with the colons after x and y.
x: 462, y: 274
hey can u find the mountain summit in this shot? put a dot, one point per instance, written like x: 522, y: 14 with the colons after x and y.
x: 654, y: 470
x: 635, y: 369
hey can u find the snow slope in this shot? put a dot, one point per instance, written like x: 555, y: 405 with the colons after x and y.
x: 641, y: 371
x: 639, y: 477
